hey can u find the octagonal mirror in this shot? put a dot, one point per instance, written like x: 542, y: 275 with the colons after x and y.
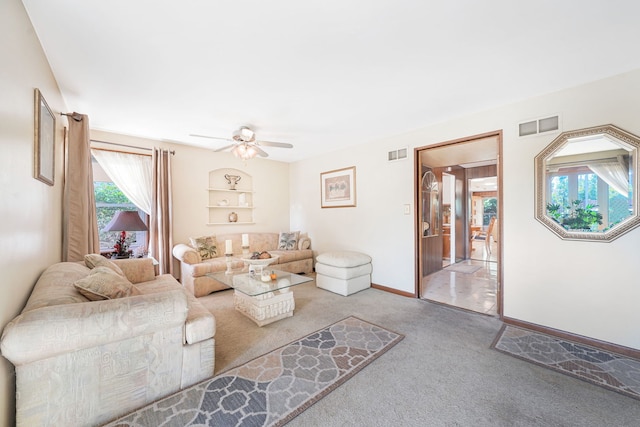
x: 586, y: 184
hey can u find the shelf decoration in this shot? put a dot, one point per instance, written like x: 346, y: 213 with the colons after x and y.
x: 223, y: 207
x: 232, y: 180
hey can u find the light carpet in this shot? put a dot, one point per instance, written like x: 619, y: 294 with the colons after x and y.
x: 273, y: 388
x: 609, y: 370
x: 463, y: 268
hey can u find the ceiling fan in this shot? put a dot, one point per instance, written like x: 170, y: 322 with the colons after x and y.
x: 244, y: 144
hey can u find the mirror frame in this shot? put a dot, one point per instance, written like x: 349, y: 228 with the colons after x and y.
x: 541, y: 188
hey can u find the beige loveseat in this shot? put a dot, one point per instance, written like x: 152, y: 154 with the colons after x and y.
x: 194, y: 268
x: 80, y: 362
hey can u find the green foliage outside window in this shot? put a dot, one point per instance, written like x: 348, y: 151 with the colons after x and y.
x: 490, y: 209
x: 575, y: 216
x: 109, y: 200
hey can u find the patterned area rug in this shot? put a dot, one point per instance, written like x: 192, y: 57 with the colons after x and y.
x: 609, y: 370
x: 273, y: 388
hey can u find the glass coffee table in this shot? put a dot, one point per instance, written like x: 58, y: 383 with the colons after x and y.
x: 263, y: 302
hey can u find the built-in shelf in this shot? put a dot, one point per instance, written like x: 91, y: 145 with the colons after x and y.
x: 229, y: 223
x: 230, y: 207
x: 239, y: 190
x: 238, y: 200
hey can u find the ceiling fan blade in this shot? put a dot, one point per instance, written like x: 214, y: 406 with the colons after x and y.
x: 226, y: 147
x: 260, y: 151
x: 209, y: 137
x: 275, y: 144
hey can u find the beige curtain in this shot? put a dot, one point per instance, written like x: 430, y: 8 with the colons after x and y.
x: 80, y: 224
x: 161, y: 236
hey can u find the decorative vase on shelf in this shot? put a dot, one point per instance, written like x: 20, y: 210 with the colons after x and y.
x: 233, y: 217
x: 232, y: 180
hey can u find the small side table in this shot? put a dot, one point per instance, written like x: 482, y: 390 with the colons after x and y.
x: 156, y: 265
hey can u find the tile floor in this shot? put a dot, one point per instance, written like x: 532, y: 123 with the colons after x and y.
x: 478, y: 251
x: 475, y: 291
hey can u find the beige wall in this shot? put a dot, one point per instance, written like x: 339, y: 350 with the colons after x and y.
x: 30, y: 211
x: 586, y: 288
x: 190, y: 171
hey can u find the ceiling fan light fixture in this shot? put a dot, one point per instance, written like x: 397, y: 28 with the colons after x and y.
x: 251, y: 151
x: 244, y: 151
x: 244, y: 144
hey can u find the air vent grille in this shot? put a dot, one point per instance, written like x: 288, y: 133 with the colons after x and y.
x: 399, y: 154
x: 533, y: 127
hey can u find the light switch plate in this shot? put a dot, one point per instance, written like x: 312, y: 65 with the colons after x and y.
x: 407, y: 209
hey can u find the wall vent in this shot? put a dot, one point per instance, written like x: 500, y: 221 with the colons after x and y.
x: 533, y: 127
x: 399, y: 154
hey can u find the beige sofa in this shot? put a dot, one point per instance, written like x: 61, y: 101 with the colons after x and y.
x: 80, y: 362
x: 194, y: 269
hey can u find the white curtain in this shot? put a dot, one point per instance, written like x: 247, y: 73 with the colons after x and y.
x: 614, y: 172
x: 132, y: 173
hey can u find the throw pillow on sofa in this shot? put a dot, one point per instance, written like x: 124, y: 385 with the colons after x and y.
x: 207, y: 246
x: 96, y: 260
x: 288, y: 241
x: 103, y: 283
x: 304, y: 242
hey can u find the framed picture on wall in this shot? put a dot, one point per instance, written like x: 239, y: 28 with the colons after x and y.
x: 44, y: 141
x: 338, y: 188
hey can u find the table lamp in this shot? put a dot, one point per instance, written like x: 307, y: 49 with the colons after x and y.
x: 124, y: 221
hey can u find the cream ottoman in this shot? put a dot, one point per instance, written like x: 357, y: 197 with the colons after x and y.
x: 343, y: 272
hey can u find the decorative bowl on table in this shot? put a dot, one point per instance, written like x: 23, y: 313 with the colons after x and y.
x: 249, y: 260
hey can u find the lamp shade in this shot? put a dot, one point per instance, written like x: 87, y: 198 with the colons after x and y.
x: 126, y: 221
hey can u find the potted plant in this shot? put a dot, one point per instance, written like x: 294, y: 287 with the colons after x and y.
x: 121, y: 247
x: 575, y: 216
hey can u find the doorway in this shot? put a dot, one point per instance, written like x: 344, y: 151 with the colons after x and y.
x: 460, y: 260
x: 483, y: 197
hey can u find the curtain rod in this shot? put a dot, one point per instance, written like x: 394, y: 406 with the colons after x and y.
x: 75, y: 116
x: 128, y: 146
x: 78, y: 117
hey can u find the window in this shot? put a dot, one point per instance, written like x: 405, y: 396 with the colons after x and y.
x: 109, y: 199
x: 490, y: 210
x: 580, y: 184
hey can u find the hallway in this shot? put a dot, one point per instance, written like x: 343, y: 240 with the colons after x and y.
x: 459, y: 221
x: 471, y: 290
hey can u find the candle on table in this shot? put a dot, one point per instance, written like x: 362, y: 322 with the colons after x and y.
x: 228, y: 247
x: 245, y: 240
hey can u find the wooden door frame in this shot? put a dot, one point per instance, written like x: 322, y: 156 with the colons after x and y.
x: 417, y: 214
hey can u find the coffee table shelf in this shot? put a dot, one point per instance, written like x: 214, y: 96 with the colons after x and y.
x: 262, y: 302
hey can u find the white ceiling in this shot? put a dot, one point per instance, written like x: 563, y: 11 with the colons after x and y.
x: 320, y: 74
